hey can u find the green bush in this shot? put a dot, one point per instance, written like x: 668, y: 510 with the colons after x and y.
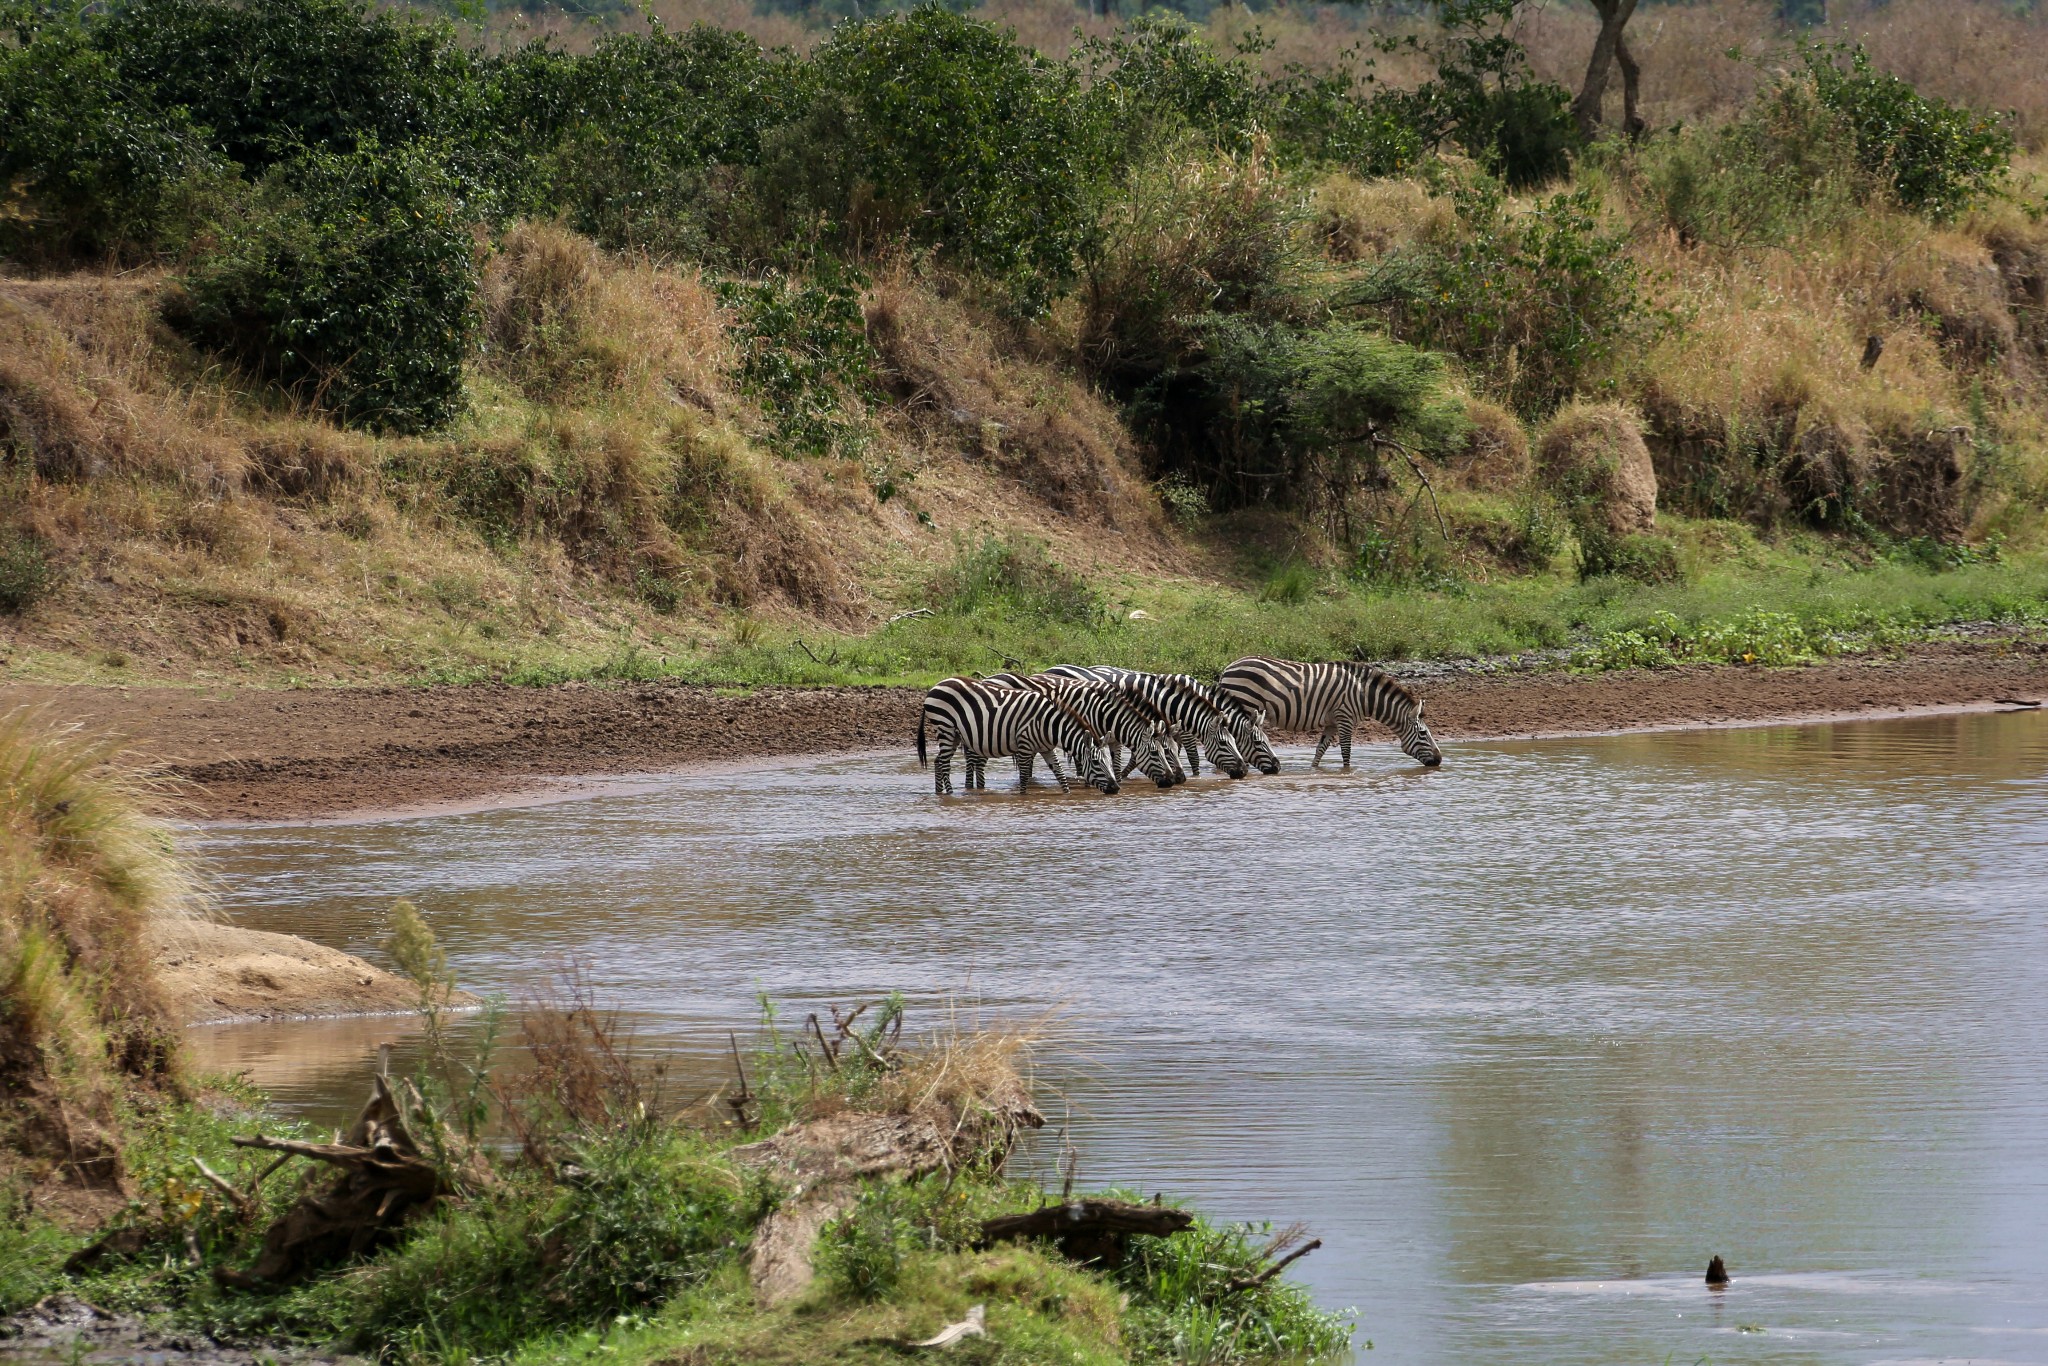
x: 1187, y: 1303
x: 1543, y: 301
x: 26, y: 573
x: 805, y: 354
x: 1936, y: 158
x: 1786, y: 166
x: 1014, y: 576
x: 635, y: 1217
x: 1157, y: 79
x: 267, y: 78
x: 1644, y: 558
x: 351, y: 281
x: 98, y: 170
x: 862, y: 1252
x: 942, y: 128
x: 1484, y: 98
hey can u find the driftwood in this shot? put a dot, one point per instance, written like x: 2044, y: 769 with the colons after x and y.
x: 1089, y: 1230
x: 382, y: 1180
x: 975, y: 1325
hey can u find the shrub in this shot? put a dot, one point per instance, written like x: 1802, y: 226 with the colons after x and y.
x: 1483, y: 96
x: 1014, y: 576
x: 804, y: 353
x: 942, y: 128
x: 1644, y: 558
x: 632, y: 136
x: 1787, y: 164
x: 99, y: 170
x: 267, y: 78
x: 1195, y: 1296
x: 1938, y: 159
x: 352, y: 282
x: 1157, y: 78
x: 1543, y: 300
x: 26, y: 574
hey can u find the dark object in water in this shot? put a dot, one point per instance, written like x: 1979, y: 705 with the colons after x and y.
x: 1717, y: 1273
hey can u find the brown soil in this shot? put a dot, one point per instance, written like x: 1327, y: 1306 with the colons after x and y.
x: 211, y: 973
x: 268, y: 755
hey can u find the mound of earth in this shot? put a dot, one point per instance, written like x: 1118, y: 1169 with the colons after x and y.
x: 211, y: 973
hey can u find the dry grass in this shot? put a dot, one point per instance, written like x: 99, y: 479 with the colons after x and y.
x: 83, y: 869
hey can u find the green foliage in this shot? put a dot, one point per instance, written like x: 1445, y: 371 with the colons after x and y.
x: 1157, y: 78
x: 100, y: 171
x: 1189, y: 1300
x: 1787, y: 165
x: 1936, y: 158
x: 1293, y: 583
x: 1772, y: 639
x: 805, y: 354
x: 268, y: 79
x: 941, y: 128
x: 633, y: 1218
x: 1483, y: 96
x: 31, y: 1251
x: 351, y: 281
x: 632, y: 137
x: 1544, y: 301
x: 861, y: 1253
x: 26, y: 572
x: 1644, y: 558
x: 1013, y: 576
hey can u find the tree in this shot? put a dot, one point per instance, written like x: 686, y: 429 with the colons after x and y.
x: 1610, y: 49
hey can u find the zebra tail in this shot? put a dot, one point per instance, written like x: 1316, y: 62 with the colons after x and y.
x: 920, y: 740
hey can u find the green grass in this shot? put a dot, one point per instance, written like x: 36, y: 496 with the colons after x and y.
x: 1809, y: 591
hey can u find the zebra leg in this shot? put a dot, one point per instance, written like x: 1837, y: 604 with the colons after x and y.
x: 1052, y: 761
x: 1026, y: 773
x: 942, y: 767
x: 1323, y: 745
x: 974, y: 767
x: 1344, y: 740
x: 1194, y: 757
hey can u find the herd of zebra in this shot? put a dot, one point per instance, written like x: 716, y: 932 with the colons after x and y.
x: 1111, y: 721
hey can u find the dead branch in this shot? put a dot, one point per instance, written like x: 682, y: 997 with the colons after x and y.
x: 242, y: 1203
x: 1089, y: 1230
x: 1242, y: 1283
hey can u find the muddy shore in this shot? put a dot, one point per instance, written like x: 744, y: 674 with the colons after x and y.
x: 252, y: 754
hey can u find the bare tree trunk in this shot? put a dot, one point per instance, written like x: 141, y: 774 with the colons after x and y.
x: 1614, y: 16
x: 1632, y: 124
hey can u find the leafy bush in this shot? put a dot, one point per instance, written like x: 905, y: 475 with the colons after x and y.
x: 1483, y: 96
x: 1544, y: 300
x: 1644, y: 558
x: 268, y: 78
x: 26, y: 574
x: 1158, y: 78
x: 942, y: 128
x: 637, y: 1216
x: 862, y: 1251
x: 1788, y: 164
x: 98, y: 169
x: 352, y: 282
x: 804, y: 353
x: 1015, y: 577
x: 1937, y: 158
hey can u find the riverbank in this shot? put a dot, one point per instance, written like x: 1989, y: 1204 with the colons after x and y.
x: 261, y: 754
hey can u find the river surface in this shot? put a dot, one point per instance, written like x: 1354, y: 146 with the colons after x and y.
x: 1525, y: 1040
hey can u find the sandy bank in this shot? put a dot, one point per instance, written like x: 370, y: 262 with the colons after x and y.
x: 277, y: 755
x: 211, y: 972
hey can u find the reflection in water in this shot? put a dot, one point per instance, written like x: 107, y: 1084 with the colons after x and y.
x: 1526, y: 1039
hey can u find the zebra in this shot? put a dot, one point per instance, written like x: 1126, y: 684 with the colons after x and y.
x: 1331, y: 698
x: 1198, y: 718
x: 984, y: 720
x: 1123, y: 721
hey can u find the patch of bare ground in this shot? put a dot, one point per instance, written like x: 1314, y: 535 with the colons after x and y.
x: 210, y: 973
x: 266, y: 755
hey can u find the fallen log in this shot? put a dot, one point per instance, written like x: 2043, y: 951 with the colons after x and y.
x: 383, y: 1180
x: 1096, y: 1231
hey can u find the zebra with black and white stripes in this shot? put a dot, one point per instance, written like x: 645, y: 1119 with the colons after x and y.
x: 1331, y: 699
x: 1122, y: 719
x: 984, y: 720
x: 1200, y: 720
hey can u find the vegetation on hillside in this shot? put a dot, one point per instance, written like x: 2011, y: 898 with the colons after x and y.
x: 431, y: 354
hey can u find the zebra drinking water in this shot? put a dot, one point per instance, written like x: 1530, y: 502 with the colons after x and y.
x: 1122, y: 719
x: 1198, y: 717
x: 983, y: 720
x: 1330, y: 699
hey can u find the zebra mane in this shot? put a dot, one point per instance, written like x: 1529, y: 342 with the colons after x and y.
x: 1144, y: 706
x: 1374, y: 674
x: 1180, y: 685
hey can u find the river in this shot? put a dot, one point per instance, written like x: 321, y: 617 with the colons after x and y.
x: 1524, y: 1040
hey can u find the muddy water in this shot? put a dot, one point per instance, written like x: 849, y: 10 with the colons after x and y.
x: 1526, y: 1040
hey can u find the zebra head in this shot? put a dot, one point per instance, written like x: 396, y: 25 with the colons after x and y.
x: 1248, y: 733
x: 1222, y: 750
x: 1155, y: 758
x: 1083, y: 744
x: 1416, y: 741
